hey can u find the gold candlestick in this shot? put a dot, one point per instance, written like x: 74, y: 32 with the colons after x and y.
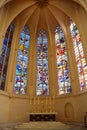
x: 34, y: 101
x: 46, y: 100
x: 53, y: 100
x: 50, y: 100
x: 30, y: 101
x: 38, y: 101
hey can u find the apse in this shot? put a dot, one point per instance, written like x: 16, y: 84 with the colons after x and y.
x: 43, y: 59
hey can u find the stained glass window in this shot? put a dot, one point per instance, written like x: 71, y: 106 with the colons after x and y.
x: 4, y: 55
x: 62, y: 62
x: 42, y: 87
x: 20, y: 85
x: 79, y: 55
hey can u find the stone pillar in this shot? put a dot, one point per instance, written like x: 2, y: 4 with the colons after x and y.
x: 3, y: 25
x: 12, y: 61
x: 32, y: 65
x: 75, y: 86
x: 53, y: 84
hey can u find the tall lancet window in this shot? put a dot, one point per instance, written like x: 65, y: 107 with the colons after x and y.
x: 64, y: 85
x: 79, y: 55
x: 20, y: 85
x: 4, y: 55
x: 42, y: 87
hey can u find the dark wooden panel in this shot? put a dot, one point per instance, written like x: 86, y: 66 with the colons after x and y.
x: 42, y: 117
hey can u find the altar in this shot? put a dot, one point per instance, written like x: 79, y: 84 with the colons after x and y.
x: 42, y: 116
x: 42, y: 109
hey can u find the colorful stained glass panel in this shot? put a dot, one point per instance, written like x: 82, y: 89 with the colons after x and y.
x: 79, y: 55
x: 62, y: 62
x: 22, y: 62
x: 42, y: 87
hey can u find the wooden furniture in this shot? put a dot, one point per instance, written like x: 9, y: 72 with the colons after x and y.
x: 42, y: 116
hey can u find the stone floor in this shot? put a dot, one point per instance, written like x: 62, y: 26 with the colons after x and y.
x: 42, y: 126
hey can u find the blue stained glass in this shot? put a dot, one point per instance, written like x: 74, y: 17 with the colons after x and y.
x: 79, y: 55
x: 4, y: 55
x: 27, y: 45
x: 42, y: 87
x: 62, y: 62
x: 22, y: 35
x: 20, y: 85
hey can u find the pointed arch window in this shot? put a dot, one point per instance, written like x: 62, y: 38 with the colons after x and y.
x: 62, y: 62
x: 4, y: 55
x: 20, y: 85
x: 79, y: 55
x: 42, y: 87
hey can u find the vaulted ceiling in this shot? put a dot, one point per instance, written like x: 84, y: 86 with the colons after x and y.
x: 41, y: 13
x: 81, y: 2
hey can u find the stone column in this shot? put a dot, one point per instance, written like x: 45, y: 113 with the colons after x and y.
x: 12, y: 60
x: 32, y: 65
x: 53, y: 84
x: 75, y: 86
x: 3, y: 25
